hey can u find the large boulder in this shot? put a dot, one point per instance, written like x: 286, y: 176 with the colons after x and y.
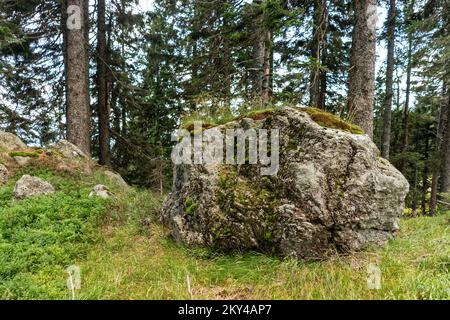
x: 28, y: 186
x: 332, y: 192
x: 9, y: 141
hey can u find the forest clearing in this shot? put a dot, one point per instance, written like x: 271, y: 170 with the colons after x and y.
x: 224, y: 150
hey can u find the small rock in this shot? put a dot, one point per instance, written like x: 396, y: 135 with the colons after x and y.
x: 4, y: 174
x: 22, y: 161
x: 28, y: 186
x: 116, y: 178
x: 10, y: 141
x: 72, y: 156
x: 101, y: 191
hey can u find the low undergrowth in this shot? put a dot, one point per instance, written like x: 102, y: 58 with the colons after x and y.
x: 124, y: 253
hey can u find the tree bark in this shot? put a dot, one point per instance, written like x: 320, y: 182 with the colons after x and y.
x: 445, y: 173
x: 362, y: 72
x: 323, y: 76
x: 102, y: 89
x: 317, y: 52
x: 385, y: 146
x: 267, y: 68
x: 443, y: 111
x: 425, y: 175
x: 262, y: 43
x: 76, y: 70
x: 408, y: 81
x: 227, y: 61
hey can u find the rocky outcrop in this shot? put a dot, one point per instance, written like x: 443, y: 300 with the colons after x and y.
x: 9, y: 141
x: 101, y: 191
x: 332, y: 192
x: 28, y: 186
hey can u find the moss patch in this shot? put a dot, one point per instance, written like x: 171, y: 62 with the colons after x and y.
x: 258, y: 114
x: 244, y: 200
x: 190, y: 206
x: 205, y: 125
x: 33, y: 154
x: 328, y: 120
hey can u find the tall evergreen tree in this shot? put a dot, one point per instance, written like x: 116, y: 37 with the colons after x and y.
x: 76, y: 66
x: 362, y: 72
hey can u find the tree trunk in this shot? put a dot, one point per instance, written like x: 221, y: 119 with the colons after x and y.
x: 262, y: 44
x: 318, y: 47
x: 258, y: 50
x: 425, y: 175
x: 227, y: 61
x: 408, y: 82
x: 414, y: 200
x: 323, y: 76
x: 267, y: 68
x: 76, y: 70
x: 385, y: 146
x: 445, y: 173
x: 103, y: 110
x: 439, y: 152
x: 362, y: 72
x: 315, y: 56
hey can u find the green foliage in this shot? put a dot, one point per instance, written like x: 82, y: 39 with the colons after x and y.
x: 43, y: 234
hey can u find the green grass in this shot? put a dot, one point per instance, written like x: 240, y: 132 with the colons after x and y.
x: 41, y: 236
x: 34, y: 154
x: 124, y: 253
x: 129, y: 265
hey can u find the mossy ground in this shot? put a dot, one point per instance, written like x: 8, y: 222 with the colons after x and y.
x: 124, y: 253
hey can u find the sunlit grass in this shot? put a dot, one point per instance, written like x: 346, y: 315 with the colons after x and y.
x: 131, y: 266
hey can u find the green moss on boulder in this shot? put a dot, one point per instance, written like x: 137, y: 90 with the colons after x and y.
x: 329, y: 120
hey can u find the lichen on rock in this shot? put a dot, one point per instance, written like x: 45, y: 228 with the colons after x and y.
x: 4, y: 175
x: 331, y: 194
x: 9, y: 141
x: 28, y: 186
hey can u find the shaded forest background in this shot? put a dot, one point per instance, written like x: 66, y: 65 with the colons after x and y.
x: 119, y: 86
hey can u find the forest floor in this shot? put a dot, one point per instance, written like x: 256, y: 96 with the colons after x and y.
x: 124, y: 253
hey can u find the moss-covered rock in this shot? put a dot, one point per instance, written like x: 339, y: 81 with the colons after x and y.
x: 331, y: 192
x: 9, y: 141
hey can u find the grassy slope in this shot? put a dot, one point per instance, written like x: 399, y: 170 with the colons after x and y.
x: 125, y: 254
